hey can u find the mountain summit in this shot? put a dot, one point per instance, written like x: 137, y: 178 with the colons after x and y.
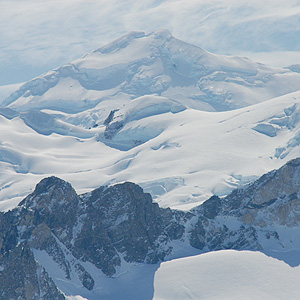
x: 140, y: 64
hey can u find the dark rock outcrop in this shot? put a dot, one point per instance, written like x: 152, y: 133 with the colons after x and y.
x: 22, y: 277
x: 121, y: 223
x: 97, y: 227
x: 256, y: 217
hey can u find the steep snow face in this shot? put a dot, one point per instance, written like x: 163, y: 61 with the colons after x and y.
x: 138, y: 64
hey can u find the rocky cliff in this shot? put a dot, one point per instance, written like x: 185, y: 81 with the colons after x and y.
x: 102, y: 227
x: 120, y: 224
x: 262, y: 216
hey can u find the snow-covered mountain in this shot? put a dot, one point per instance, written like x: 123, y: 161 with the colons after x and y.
x: 155, y: 64
x: 149, y: 108
x: 184, y: 124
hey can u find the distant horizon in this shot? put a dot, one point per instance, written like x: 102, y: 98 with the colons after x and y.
x: 39, y: 37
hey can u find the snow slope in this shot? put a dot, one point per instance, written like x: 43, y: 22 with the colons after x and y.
x: 226, y: 275
x: 185, y: 156
x: 181, y: 122
x: 6, y: 90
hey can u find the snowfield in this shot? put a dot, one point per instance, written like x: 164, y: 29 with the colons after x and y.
x: 180, y: 157
x: 226, y: 275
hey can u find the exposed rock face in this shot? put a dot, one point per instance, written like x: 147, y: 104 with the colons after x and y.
x: 22, y: 277
x: 253, y: 217
x: 117, y: 223
x: 112, y: 127
x: 97, y: 227
x: 125, y: 220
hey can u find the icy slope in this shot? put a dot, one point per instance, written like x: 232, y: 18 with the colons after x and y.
x: 6, y: 90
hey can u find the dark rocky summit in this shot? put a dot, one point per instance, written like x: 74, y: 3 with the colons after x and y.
x: 121, y: 223
x: 97, y: 227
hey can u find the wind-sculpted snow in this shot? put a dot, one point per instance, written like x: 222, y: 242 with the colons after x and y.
x: 287, y: 119
x: 123, y: 137
x: 47, y: 124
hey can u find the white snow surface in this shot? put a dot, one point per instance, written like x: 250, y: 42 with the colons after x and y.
x: 186, y: 123
x: 187, y: 156
x: 139, y: 64
x: 226, y: 275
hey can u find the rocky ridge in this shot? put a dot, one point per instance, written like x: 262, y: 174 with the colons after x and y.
x: 100, y: 227
x: 120, y: 223
x: 263, y: 216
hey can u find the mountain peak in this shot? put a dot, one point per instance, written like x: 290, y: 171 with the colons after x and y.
x: 127, y: 38
x: 162, y: 33
x: 138, y: 92
x: 119, y: 226
x: 121, y: 42
x: 51, y: 182
x: 157, y: 63
x: 50, y: 192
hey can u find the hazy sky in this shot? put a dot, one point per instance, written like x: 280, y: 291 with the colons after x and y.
x: 39, y: 35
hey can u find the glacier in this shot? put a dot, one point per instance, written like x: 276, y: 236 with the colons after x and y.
x: 149, y: 108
